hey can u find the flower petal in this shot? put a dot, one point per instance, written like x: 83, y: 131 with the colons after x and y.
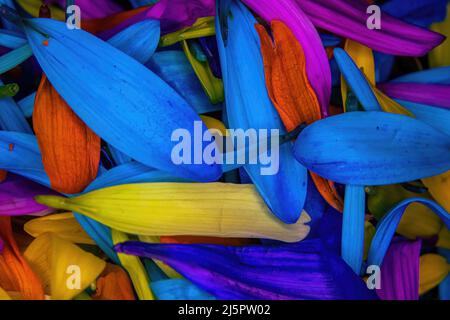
x: 243, y: 71
x: 17, y: 197
x: 15, y: 273
x: 318, y: 68
x: 142, y: 106
x: 349, y: 19
x: 432, y: 94
x: 400, y: 270
x: 63, y: 225
x: 70, y: 150
x: 373, y: 148
x: 214, y: 209
x: 51, y: 257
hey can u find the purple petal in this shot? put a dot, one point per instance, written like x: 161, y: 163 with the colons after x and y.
x: 318, y: 67
x: 17, y: 197
x: 431, y: 94
x: 349, y: 19
x: 304, y: 270
x: 172, y: 14
x: 400, y: 271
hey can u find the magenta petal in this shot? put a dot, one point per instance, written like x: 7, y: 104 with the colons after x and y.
x: 400, y: 271
x: 318, y: 67
x: 17, y: 197
x: 431, y: 94
x: 172, y: 14
x: 349, y: 19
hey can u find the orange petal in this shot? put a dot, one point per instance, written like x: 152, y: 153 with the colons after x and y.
x: 208, y: 240
x: 290, y: 90
x: 114, y: 284
x: 70, y: 150
x: 15, y: 273
x: 328, y: 191
x: 285, y: 68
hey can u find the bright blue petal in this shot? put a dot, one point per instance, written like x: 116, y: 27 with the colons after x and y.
x: 387, y: 226
x: 174, y: 68
x: 20, y: 155
x: 438, y: 118
x: 12, y: 39
x: 373, y: 148
x: 139, y: 41
x: 178, y: 289
x: 353, y: 227
x: 356, y: 81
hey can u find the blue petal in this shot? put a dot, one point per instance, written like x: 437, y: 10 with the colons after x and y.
x: 438, y: 118
x: 373, y: 148
x: 353, y: 227
x: 139, y: 41
x: 178, y: 289
x: 11, y: 117
x: 20, y: 154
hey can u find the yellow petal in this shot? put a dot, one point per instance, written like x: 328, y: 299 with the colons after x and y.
x: 65, y: 269
x: 433, y: 269
x: 4, y: 295
x: 363, y: 58
x: 419, y: 221
x: 169, y: 209
x: 134, y: 267
x: 62, y: 224
x: 440, y: 56
x: 203, y: 27
x: 171, y: 273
